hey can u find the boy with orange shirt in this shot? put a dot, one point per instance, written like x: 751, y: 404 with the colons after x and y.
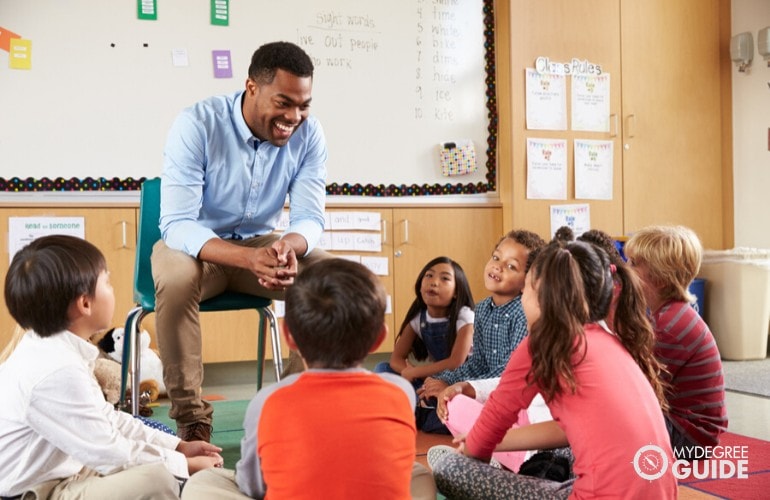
x: 335, y: 430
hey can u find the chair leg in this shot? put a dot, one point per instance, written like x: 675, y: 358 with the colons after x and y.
x: 132, y: 349
x: 267, y: 319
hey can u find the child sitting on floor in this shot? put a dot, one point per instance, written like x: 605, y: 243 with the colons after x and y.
x: 336, y: 430
x: 602, y: 388
x: 499, y: 324
x: 60, y: 438
x: 667, y: 259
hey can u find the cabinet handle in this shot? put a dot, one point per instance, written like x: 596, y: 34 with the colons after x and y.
x: 124, y: 225
x: 631, y: 125
x: 406, y: 231
x: 384, y: 231
x: 614, y: 118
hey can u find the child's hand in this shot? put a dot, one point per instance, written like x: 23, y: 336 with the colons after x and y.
x: 195, y: 464
x: 432, y: 388
x: 408, y: 373
x: 197, y: 449
x: 446, y: 395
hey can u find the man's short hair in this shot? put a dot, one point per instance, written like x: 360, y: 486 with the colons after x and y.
x: 335, y: 311
x: 279, y: 55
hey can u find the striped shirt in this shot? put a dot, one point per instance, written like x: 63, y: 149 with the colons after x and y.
x: 497, y: 331
x: 688, y: 349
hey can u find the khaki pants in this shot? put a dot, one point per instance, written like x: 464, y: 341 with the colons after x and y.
x: 220, y: 484
x: 181, y: 283
x: 151, y: 481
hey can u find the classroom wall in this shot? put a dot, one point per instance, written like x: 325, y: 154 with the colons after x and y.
x: 751, y: 132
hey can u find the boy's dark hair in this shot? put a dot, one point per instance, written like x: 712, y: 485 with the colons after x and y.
x: 463, y: 297
x: 46, y: 277
x: 564, y: 234
x: 604, y: 241
x: 334, y: 311
x: 273, y: 56
x: 531, y: 240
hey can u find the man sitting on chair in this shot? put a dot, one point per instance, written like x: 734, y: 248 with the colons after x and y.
x: 229, y: 163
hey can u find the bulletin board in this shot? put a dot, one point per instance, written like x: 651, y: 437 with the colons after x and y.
x: 393, y: 82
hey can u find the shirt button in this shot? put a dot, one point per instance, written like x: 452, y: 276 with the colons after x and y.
x: 495, y: 326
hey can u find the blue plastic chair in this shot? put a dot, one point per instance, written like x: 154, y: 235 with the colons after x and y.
x: 144, y: 296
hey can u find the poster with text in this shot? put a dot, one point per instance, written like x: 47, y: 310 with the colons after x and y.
x: 576, y: 217
x: 546, y: 169
x: 593, y: 169
x: 591, y: 102
x: 546, y: 101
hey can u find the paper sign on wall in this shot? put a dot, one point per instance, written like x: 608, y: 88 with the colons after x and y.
x: 20, y: 54
x: 576, y: 217
x: 546, y: 169
x: 23, y: 230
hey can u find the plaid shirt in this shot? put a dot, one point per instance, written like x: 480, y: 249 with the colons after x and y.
x: 497, y: 330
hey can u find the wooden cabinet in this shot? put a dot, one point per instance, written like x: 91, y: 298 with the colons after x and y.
x: 112, y: 230
x: 666, y: 121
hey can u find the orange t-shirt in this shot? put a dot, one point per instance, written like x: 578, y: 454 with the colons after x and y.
x: 337, y: 434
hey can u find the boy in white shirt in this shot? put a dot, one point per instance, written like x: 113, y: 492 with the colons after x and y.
x: 59, y: 438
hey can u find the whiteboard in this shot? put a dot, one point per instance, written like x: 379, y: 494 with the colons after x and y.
x: 393, y: 80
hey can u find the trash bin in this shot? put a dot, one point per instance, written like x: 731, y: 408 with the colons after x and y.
x: 738, y: 300
x: 698, y: 288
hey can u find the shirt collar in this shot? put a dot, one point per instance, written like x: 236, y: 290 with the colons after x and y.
x: 240, y: 124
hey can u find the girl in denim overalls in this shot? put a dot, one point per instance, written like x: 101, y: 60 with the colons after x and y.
x: 437, y: 329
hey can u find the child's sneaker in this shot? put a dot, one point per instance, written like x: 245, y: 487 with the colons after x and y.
x: 436, y: 453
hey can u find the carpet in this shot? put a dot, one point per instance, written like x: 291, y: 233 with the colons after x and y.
x: 757, y: 483
x: 227, y: 431
x: 748, y: 377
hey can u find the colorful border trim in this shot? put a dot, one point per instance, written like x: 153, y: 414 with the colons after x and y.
x: 16, y: 184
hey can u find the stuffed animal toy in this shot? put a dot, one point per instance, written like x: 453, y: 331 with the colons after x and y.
x: 151, y: 368
x: 107, y: 372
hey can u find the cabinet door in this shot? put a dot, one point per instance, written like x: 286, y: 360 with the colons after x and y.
x: 112, y: 230
x: 562, y: 30
x: 466, y: 235
x: 671, y: 108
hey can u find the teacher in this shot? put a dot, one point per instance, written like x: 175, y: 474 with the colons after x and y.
x: 229, y: 163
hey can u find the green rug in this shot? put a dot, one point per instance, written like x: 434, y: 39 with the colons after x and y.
x: 228, y: 427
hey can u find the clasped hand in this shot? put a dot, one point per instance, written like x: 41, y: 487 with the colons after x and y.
x: 275, y: 266
x: 200, y: 455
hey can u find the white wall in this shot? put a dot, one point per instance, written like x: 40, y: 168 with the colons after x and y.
x: 751, y: 121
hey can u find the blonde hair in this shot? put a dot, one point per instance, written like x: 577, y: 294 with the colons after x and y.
x: 673, y: 256
x: 18, y: 333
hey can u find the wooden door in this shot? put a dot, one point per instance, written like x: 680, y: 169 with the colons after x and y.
x: 561, y: 30
x: 671, y: 110
x: 112, y: 230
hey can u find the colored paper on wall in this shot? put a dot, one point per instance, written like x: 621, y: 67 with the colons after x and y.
x: 223, y: 67
x: 220, y: 12
x: 147, y: 10
x: 20, y: 54
x: 5, y: 39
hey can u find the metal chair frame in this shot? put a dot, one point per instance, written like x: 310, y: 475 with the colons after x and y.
x: 144, y: 296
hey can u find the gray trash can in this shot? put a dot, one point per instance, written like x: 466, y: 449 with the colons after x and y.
x: 738, y: 300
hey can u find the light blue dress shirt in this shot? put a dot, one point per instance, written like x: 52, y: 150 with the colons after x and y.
x: 220, y: 181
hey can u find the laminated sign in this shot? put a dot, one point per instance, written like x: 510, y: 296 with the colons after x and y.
x: 457, y: 158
